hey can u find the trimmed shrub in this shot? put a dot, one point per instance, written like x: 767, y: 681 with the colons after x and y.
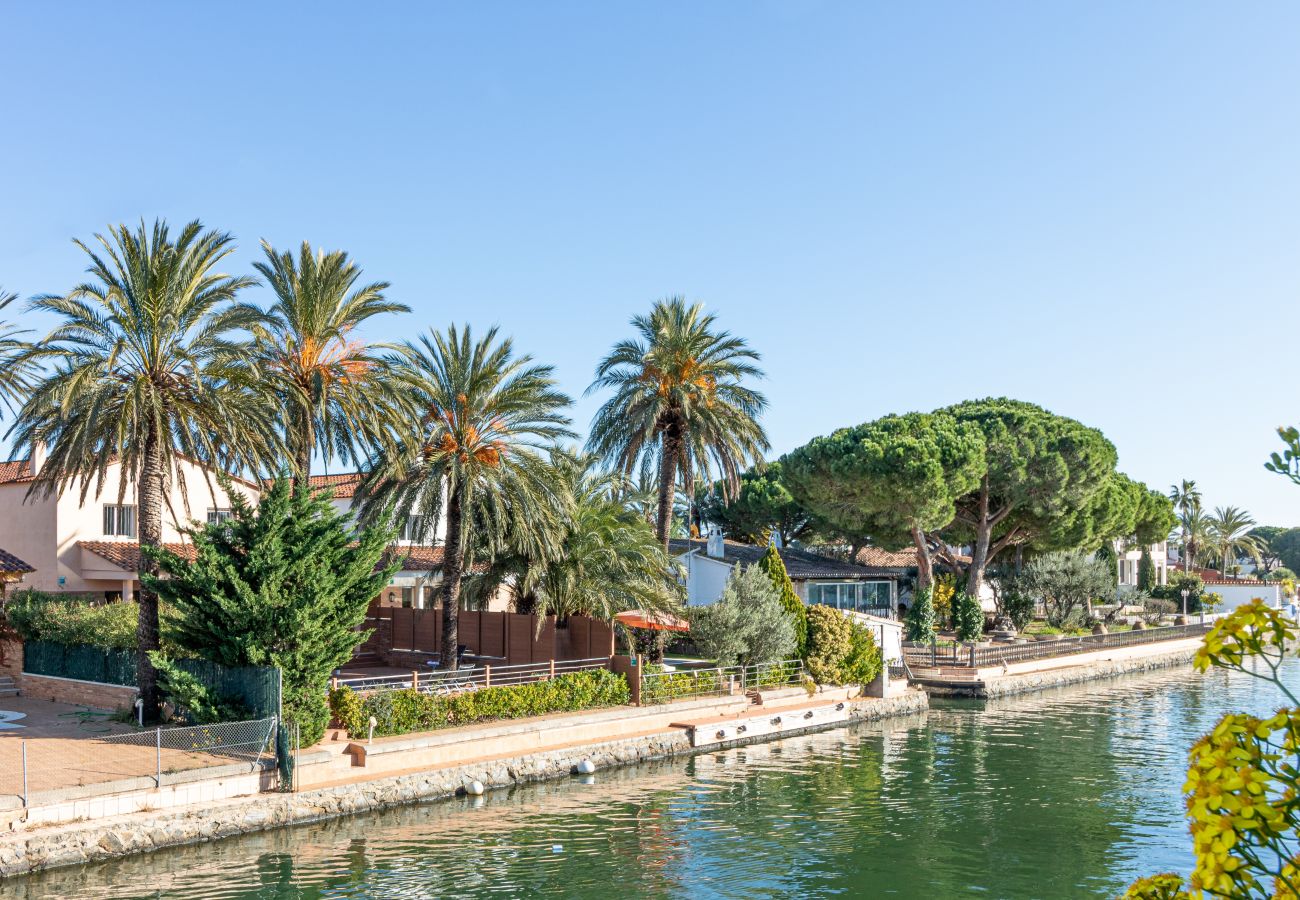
x: 1147, y: 572
x: 967, y: 617
x: 830, y: 636
x: 38, y: 616
x: 1019, y: 608
x: 406, y: 711
x: 774, y: 566
x: 864, y: 662
x: 919, y: 623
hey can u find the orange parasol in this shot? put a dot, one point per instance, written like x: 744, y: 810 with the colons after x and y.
x: 639, y: 618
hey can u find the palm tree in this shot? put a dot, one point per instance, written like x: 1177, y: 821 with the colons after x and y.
x: 607, y: 558
x: 334, y: 391
x: 148, y: 366
x: 474, y: 457
x: 1229, y: 529
x: 680, y: 404
x: 1186, y: 497
x: 1195, y: 525
x: 15, y: 365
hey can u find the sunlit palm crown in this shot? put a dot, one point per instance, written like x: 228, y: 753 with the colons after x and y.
x: 1228, y: 532
x: 334, y: 390
x: 681, y: 376
x: 15, y: 367
x: 155, y: 342
x: 486, y: 418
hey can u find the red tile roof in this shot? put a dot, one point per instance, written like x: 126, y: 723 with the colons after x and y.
x: 12, y: 565
x: 344, y: 485
x: 126, y: 554
x: 15, y: 470
x: 889, y: 559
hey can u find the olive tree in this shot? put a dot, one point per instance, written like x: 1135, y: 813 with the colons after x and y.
x: 748, y: 625
x: 1067, y: 581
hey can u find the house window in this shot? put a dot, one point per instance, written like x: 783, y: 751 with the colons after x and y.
x: 859, y: 596
x: 217, y: 516
x: 408, y: 597
x: 119, y: 521
x: 412, y: 529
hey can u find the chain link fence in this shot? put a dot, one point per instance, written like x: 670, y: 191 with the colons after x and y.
x: 51, y: 770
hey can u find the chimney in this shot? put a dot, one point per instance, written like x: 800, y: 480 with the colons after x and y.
x: 714, y: 545
x: 37, y: 458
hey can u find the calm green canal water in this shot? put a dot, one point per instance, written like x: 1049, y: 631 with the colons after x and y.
x: 1072, y: 793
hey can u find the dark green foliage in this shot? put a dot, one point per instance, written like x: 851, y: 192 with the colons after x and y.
x: 774, y: 566
x: 920, y: 624
x: 967, y: 617
x: 406, y: 711
x: 283, y: 584
x: 195, y: 702
x: 1287, y: 547
x: 52, y: 617
x: 1066, y: 583
x: 1173, y: 590
x: 886, y: 478
x: 1018, y: 607
x: 1281, y: 573
x: 864, y: 660
x: 763, y: 504
x: 1147, y: 579
x: 1106, y: 553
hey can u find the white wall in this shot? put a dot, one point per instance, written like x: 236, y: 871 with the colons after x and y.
x: 705, y: 578
x: 1238, y: 594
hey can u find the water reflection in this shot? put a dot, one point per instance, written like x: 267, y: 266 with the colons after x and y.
x: 1065, y: 794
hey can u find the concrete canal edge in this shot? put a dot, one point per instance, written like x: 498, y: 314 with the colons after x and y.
x: 1062, y: 675
x: 76, y: 843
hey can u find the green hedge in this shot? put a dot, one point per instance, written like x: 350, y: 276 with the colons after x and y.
x: 676, y: 685
x: 406, y: 711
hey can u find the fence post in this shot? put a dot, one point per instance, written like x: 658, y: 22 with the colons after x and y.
x: 972, y: 655
x: 934, y: 651
x: 415, y: 679
x: 487, y: 675
x: 24, y: 774
x: 552, y: 668
x: 158, y: 755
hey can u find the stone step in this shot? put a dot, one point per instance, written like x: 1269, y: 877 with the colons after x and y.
x: 8, y: 691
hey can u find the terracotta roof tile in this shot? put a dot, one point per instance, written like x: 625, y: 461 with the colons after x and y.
x: 14, y: 470
x: 344, y: 485
x: 126, y: 554
x: 12, y: 565
x: 417, y: 557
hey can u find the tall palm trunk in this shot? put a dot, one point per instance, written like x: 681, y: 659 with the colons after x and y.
x: 667, y: 481
x: 304, y: 441
x: 453, y: 564
x: 153, y: 478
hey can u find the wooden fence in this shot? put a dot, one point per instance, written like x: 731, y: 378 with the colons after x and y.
x: 512, y: 638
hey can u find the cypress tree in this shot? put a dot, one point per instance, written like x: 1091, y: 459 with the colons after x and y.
x: 1146, y: 571
x: 285, y: 583
x: 772, y: 564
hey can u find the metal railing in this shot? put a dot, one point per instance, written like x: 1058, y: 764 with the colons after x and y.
x: 1006, y: 654
x: 469, y: 678
x: 49, y: 770
x: 664, y: 687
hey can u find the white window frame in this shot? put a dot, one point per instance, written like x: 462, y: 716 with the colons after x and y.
x: 120, y: 520
x: 219, y: 514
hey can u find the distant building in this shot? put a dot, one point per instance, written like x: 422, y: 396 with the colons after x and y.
x: 817, y: 579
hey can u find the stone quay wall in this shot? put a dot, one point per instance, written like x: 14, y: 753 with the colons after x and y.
x: 76, y: 843
x: 1029, y: 682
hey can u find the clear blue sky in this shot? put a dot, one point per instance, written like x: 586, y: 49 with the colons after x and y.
x: 1089, y: 206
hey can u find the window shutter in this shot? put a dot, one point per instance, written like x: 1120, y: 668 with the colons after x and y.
x: 108, y: 519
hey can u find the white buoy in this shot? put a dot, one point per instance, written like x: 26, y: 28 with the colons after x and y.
x: 586, y: 767
x: 474, y: 788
